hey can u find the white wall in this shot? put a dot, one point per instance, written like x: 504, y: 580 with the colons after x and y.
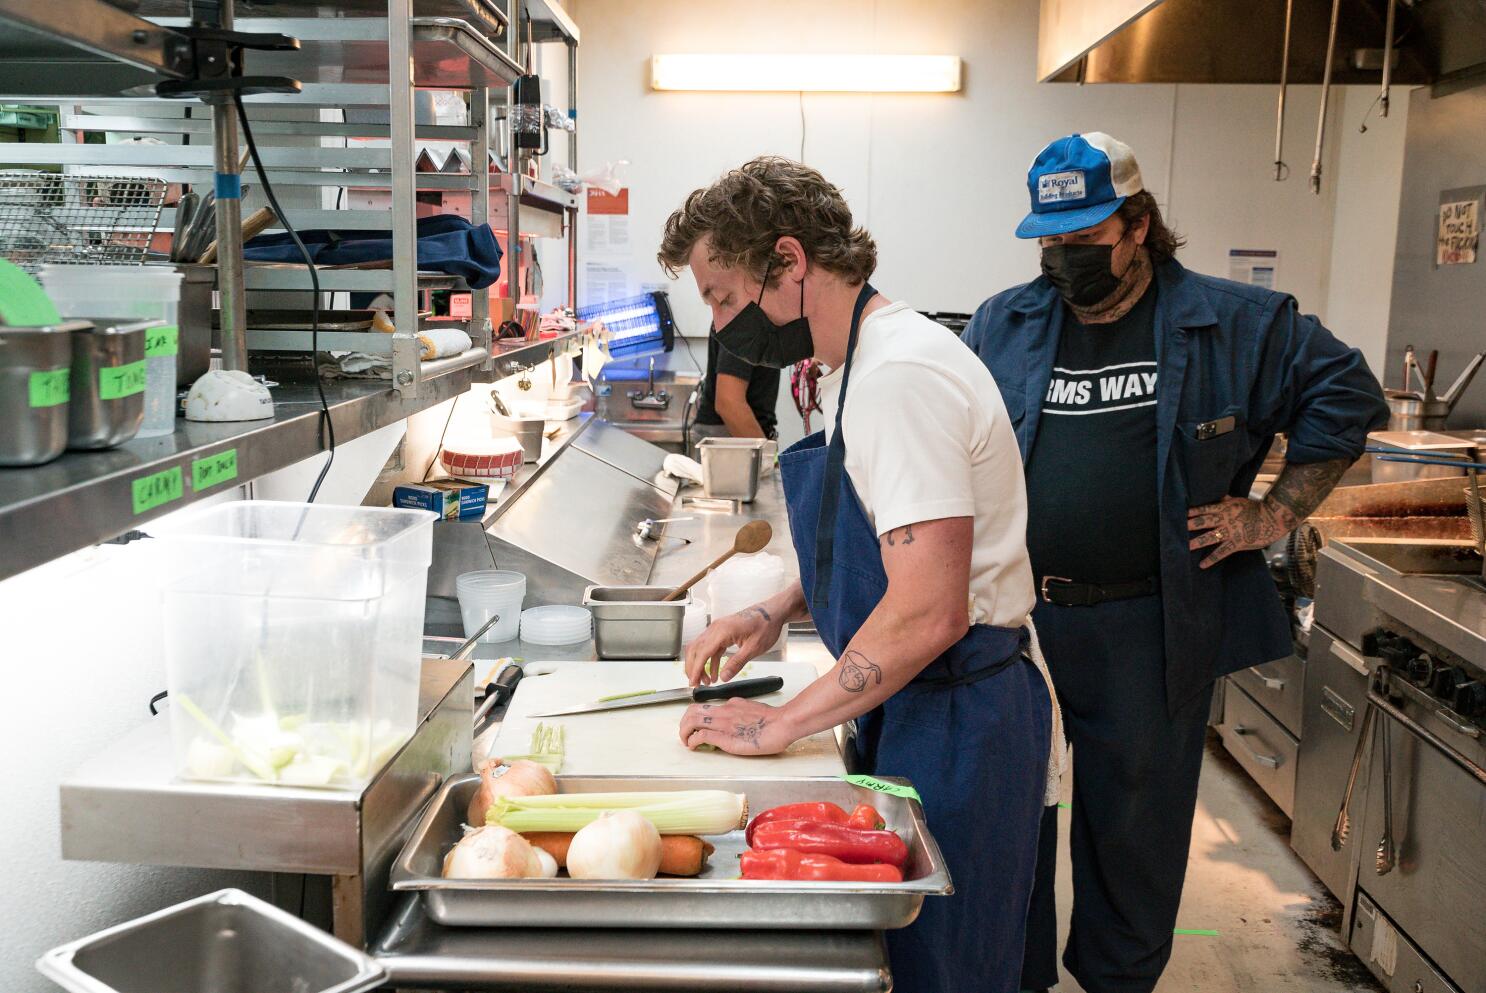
x: 939, y: 180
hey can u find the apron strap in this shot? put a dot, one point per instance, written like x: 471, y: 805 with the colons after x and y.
x: 830, y: 494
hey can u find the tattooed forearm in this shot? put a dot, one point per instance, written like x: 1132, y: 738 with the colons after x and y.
x: 857, y: 671
x: 750, y: 732
x: 1299, y: 489
x: 907, y: 536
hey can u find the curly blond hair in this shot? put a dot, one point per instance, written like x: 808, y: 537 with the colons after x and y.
x: 749, y: 209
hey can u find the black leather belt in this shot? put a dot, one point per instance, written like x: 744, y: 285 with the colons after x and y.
x: 1067, y: 593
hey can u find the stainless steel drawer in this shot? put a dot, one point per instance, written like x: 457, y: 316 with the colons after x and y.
x: 1391, y: 956
x: 1261, y: 745
x: 1278, y: 687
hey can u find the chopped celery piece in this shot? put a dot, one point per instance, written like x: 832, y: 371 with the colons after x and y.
x: 672, y: 812
x: 252, y: 763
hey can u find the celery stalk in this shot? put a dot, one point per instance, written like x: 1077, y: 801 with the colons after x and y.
x: 672, y: 812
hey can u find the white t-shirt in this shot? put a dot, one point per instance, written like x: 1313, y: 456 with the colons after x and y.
x: 927, y: 437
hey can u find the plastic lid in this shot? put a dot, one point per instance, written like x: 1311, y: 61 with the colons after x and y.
x: 556, y: 625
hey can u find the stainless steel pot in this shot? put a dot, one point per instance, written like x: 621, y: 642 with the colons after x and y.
x: 108, y: 376
x: 1411, y: 411
x: 34, y: 387
x: 194, y: 318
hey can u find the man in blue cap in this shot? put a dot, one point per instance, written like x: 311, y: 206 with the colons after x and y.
x: 1145, y: 398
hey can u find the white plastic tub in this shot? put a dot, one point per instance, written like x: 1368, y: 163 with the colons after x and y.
x: 146, y: 291
x: 293, y: 637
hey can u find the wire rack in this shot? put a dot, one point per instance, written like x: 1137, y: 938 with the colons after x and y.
x: 75, y: 219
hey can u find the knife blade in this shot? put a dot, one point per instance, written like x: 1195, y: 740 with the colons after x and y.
x: 690, y: 694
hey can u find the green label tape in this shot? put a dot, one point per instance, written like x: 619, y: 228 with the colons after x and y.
x: 162, y: 342
x: 118, y: 382
x: 158, y: 489
x: 1200, y: 932
x: 51, y: 387
x: 893, y: 789
x: 1065, y: 806
x: 214, y: 470
x: 23, y: 303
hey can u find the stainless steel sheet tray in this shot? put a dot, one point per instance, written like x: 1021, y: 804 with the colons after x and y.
x: 716, y: 899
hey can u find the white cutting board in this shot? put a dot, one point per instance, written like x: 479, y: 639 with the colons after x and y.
x: 646, y: 740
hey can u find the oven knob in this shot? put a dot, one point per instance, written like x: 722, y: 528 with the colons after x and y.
x: 1444, y: 681
x: 1420, y: 669
x: 1469, y: 699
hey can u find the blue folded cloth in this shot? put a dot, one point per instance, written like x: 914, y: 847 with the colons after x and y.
x: 446, y: 243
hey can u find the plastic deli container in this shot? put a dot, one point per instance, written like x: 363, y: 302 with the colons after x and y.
x: 293, y: 638
x: 144, y: 291
x: 487, y: 593
x: 556, y: 625
x: 482, y: 458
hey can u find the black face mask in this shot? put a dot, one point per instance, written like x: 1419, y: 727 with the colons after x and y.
x: 759, y: 341
x: 1082, y: 274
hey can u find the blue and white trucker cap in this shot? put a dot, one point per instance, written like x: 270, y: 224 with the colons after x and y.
x: 1078, y: 181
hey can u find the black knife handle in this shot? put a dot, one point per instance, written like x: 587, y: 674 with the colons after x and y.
x: 505, y: 682
x: 743, y: 687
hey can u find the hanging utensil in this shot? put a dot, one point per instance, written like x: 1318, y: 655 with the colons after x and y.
x: 1429, y: 367
x: 463, y: 651
x: 751, y: 537
x: 1384, y: 97
x: 1452, y: 395
x: 1325, y: 97
x: 1281, y: 170
x: 1342, y: 829
x: 1386, y: 854
x: 185, y: 209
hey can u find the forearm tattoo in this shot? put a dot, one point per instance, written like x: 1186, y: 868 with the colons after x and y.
x: 1299, y: 489
x: 907, y: 538
x: 857, y: 671
x: 750, y: 732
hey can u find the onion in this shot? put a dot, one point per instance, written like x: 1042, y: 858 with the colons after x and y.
x: 620, y: 844
x: 500, y: 778
x: 549, y: 864
x: 492, y: 853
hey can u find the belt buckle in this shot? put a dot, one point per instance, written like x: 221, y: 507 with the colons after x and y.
x: 1051, y: 579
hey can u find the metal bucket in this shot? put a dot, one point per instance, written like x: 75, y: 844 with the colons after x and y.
x: 34, y: 387
x: 108, y: 377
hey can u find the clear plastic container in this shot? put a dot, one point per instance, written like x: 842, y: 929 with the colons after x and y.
x: 487, y: 593
x: 148, y: 291
x: 293, y: 637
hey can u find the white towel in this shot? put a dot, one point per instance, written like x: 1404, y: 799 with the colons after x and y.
x: 1057, y: 760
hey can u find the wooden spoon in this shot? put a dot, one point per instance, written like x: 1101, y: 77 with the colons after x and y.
x: 752, y: 537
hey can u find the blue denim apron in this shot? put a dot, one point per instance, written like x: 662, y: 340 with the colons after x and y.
x: 971, y: 732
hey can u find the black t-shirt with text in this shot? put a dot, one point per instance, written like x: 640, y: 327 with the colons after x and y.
x: 763, y: 387
x: 1091, y: 478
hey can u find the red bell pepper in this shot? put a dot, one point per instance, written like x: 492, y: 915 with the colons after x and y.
x: 823, y: 813
x: 866, y: 817
x: 786, y: 864
x: 847, y: 844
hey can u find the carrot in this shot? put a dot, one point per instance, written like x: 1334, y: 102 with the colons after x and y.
x: 681, y: 854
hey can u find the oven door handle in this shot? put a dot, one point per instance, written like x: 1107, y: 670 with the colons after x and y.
x: 1347, y: 654
x: 1429, y: 737
x: 1268, y: 761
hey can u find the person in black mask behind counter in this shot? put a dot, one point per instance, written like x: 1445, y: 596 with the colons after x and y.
x: 737, y: 399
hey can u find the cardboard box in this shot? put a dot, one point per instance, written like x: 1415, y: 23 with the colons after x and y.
x: 451, y: 499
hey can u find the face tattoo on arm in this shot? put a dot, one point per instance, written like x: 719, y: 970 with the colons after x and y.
x: 857, y: 671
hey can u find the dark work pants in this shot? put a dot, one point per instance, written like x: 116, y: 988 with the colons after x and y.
x: 1135, y: 769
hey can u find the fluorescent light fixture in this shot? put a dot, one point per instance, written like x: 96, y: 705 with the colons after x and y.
x: 810, y: 73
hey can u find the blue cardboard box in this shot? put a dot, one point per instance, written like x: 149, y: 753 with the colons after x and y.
x: 449, y: 498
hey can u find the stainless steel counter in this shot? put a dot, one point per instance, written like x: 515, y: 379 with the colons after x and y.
x: 712, y: 532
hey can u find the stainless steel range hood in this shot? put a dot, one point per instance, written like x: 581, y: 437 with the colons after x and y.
x: 1240, y: 41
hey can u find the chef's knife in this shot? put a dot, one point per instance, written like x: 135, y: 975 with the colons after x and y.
x: 689, y: 694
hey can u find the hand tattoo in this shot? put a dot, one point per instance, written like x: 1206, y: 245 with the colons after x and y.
x: 1237, y: 524
x: 761, y: 612
x: 908, y: 538
x: 857, y: 671
x: 706, y: 720
x: 750, y: 732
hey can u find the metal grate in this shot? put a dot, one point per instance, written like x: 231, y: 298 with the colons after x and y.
x: 77, y: 220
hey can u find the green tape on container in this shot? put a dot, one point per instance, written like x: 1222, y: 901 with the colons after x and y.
x: 892, y: 789
x: 120, y: 381
x: 23, y: 303
x: 50, y: 387
x: 213, y: 470
x: 157, y: 489
x: 1201, y: 932
x: 162, y: 342
x: 1065, y: 806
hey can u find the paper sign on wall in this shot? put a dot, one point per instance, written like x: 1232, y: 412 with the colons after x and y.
x: 1459, y: 233
x: 1255, y: 266
x: 608, y: 222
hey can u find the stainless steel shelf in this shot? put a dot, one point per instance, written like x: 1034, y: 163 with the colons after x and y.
x: 137, y: 124
x: 509, y: 361
x: 284, y: 276
x: 87, y: 497
x: 535, y: 193
x: 550, y: 21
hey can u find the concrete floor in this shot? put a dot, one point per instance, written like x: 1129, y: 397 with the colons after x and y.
x: 1277, y: 924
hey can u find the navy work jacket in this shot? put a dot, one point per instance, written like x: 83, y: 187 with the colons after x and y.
x: 1224, y: 350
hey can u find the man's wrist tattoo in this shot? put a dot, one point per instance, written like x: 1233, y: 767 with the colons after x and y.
x: 857, y: 671
x: 761, y: 612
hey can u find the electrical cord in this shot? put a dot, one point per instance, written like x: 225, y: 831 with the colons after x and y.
x: 327, y: 427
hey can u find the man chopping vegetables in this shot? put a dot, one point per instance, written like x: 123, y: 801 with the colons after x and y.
x: 908, y: 517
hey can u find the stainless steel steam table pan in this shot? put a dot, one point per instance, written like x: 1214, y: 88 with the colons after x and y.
x: 716, y: 899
